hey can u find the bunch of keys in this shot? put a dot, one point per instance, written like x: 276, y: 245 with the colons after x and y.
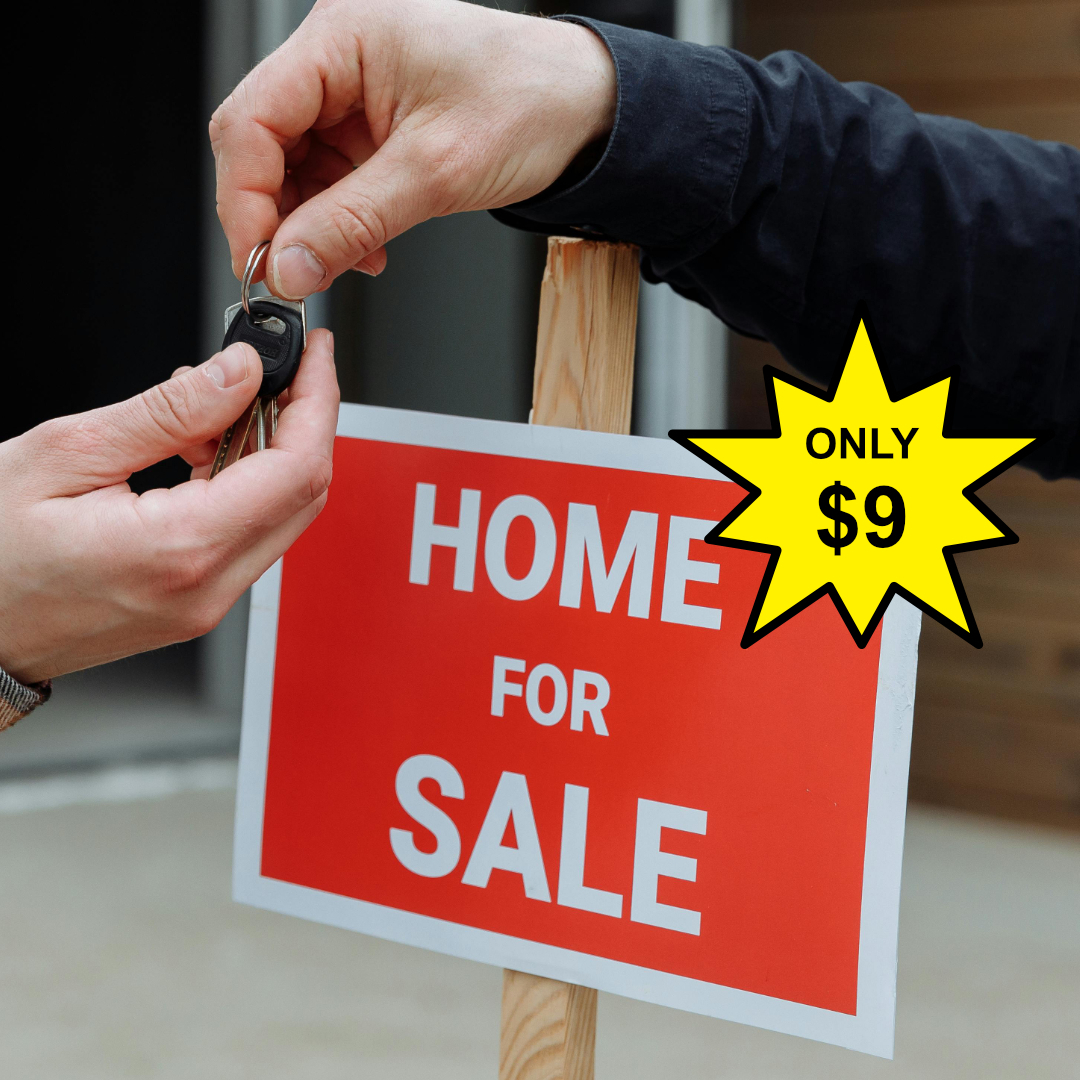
x: 277, y: 330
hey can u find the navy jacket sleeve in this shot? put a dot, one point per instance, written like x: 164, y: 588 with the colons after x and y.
x: 781, y: 198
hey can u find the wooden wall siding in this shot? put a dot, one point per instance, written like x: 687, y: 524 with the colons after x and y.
x: 1013, y: 65
x: 996, y: 730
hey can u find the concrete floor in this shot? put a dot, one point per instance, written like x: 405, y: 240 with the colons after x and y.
x: 121, y: 956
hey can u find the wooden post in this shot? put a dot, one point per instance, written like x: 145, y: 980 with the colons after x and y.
x: 584, y: 378
x: 584, y: 374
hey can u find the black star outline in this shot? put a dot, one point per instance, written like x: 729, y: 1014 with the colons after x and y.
x: 684, y: 436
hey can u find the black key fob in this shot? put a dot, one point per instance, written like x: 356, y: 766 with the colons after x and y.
x: 276, y: 330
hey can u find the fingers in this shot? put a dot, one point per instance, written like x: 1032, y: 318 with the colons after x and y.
x: 262, y: 491
x: 322, y: 166
x: 250, y: 156
x: 201, y: 456
x: 206, y: 541
x: 441, y: 108
x: 373, y: 264
x: 205, y: 452
x: 105, y: 446
x: 310, y: 82
x: 347, y: 224
x: 211, y: 595
x: 286, y: 142
x: 254, y: 562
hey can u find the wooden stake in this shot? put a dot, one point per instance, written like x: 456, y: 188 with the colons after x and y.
x: 548, y: 1029
x: 584, y: 374
x: 584, y: 378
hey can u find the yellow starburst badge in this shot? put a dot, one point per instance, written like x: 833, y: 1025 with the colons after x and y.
x: 859, y: 495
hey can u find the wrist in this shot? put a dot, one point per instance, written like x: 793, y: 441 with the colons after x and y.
x: 591, y: 83
x: 14, y: 658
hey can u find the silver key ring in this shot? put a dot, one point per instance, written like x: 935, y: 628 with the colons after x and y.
x: 257, y: 252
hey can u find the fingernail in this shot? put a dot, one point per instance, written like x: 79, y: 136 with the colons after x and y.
x: 297, y: 272
x: 363, y: 266
x: 229, y: 367
x: 330, y: 337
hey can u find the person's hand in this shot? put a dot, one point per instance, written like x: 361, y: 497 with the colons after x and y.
x: 93, y: 572
x: 441, y: 106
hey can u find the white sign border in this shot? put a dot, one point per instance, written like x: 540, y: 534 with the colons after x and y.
x: 870, y: 1030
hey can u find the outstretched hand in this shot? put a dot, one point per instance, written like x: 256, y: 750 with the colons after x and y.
x: 378, y: 114
x: 93, y: 572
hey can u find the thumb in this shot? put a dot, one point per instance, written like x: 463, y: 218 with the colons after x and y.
x: 105, y: 446
x: 352, y: 219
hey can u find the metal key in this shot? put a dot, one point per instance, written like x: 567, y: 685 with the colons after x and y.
x: 277, y: 330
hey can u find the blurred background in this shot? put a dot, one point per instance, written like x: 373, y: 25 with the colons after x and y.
x: 116, y: 934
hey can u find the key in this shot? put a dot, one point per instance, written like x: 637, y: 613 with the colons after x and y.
x: 277, y: 330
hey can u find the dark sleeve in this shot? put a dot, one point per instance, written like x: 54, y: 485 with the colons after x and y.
x: 780, y: 199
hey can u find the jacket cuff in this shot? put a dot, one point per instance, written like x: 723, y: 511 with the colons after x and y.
x: 677, y: 145
x: 20, y: 699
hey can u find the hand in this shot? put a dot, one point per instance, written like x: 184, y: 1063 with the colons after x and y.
x: 440, y: 106
x: 93, y: 572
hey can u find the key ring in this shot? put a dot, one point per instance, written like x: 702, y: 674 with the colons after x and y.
x: 257, y: 252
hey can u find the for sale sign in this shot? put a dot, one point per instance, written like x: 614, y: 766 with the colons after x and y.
x: 496, y: 705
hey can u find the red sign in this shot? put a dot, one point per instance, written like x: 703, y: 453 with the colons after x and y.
x: 497, y: 706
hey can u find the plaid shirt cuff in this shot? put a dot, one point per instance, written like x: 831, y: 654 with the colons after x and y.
x: 17, y: 699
